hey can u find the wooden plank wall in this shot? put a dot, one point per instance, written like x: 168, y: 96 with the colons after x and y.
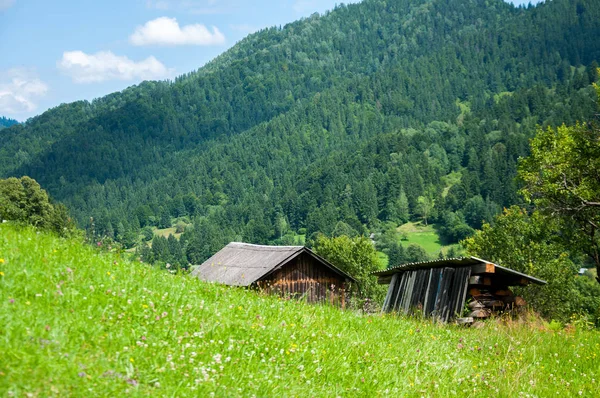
x: 307, y: 279
x: 436, y: 292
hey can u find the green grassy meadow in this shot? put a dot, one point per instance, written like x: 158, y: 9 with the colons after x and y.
x: 383, y: 260
x: 424, y: 235
x: 78, y: 322
x: 165, y: 232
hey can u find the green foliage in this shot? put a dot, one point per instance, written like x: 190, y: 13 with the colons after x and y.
x: 415, y: 253
x: 180, y: 227
x: 168, y: 252
x: 398, y: 210
x: 147, y: 233
x: 350, y: 116
x: 389, y: 243
x: 204, y: 239
x: 454, y: 228
x: 589, y: 300
x: 355, y: 256
x: 561, y: 178
x: 396, y: 255
x: 78, y: 322
x: 341, y: 228
x: 165, y: 220
x: 427, y: 237
x: 7, y: 122
x: 23, y: 200
x: 424, y: 207
x: 476, y: 212
x: 530, y: 243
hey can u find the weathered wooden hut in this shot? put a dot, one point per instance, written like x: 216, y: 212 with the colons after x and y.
x: 287, y: 270
x: 441, y: 288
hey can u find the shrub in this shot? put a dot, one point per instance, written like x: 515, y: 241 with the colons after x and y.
x: 355, y: 256
x: 180, y: 227
x: 23, y: 200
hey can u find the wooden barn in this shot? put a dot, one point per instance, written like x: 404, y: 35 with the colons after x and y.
x: 287, y: 270
x: 441, y: 288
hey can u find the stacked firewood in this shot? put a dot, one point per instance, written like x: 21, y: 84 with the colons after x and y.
x: 486, y: 298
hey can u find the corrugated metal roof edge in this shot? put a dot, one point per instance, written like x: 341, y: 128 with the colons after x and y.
x: 407, y: 265
x: 433, y: 262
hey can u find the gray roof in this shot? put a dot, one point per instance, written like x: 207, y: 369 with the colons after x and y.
x: 242, y: 264
x: 456, y: 262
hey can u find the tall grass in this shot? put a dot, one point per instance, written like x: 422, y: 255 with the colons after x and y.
x: 77, y: 322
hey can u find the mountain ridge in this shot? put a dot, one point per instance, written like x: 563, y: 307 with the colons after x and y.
x: 326, y: 84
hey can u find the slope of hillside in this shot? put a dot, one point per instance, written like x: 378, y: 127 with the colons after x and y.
x: 347, y: 117
x: 77, y: 322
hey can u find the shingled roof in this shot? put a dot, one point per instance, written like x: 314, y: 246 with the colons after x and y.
x: 242, y: 264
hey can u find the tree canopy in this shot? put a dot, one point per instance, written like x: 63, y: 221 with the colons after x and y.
x: 355, y: 256
x: 333, y: 124
x: 562, y: 178
x: 530, y: 243
x: 24, y: 201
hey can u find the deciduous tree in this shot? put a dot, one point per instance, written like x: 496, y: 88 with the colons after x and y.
x: 530, y: 243
x: 562, y: 178
x: 355, y: 256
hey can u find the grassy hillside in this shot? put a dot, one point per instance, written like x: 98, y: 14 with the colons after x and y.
x: 425, y: 236
x: 165, y: 232
x: 77, y: 322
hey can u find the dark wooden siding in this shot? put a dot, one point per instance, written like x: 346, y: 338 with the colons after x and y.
x: 436, y: 292
x: 306, y: 278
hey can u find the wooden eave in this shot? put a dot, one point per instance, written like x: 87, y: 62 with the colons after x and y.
x: 312, y: 254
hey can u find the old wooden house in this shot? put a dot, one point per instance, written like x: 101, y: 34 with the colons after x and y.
x: 442, y: 289
x: 293, y: 271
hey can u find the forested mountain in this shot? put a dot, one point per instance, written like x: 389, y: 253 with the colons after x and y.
x: 379, y: 111
x: 6, y: 122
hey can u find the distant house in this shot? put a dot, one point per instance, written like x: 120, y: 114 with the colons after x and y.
x: 286, y: 270
x: 441, y: 288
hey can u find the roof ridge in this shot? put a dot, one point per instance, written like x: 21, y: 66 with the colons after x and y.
x: 270, y: 247
x: 432, y: 262
x: 242, y: 264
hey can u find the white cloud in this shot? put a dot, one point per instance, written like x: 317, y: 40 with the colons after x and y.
x: 19, y: 91
x: 167, y: 32
x: 4, y: 4
x: 104, y: 65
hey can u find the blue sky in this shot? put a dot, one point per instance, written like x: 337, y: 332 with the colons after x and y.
x: 60, y: 51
